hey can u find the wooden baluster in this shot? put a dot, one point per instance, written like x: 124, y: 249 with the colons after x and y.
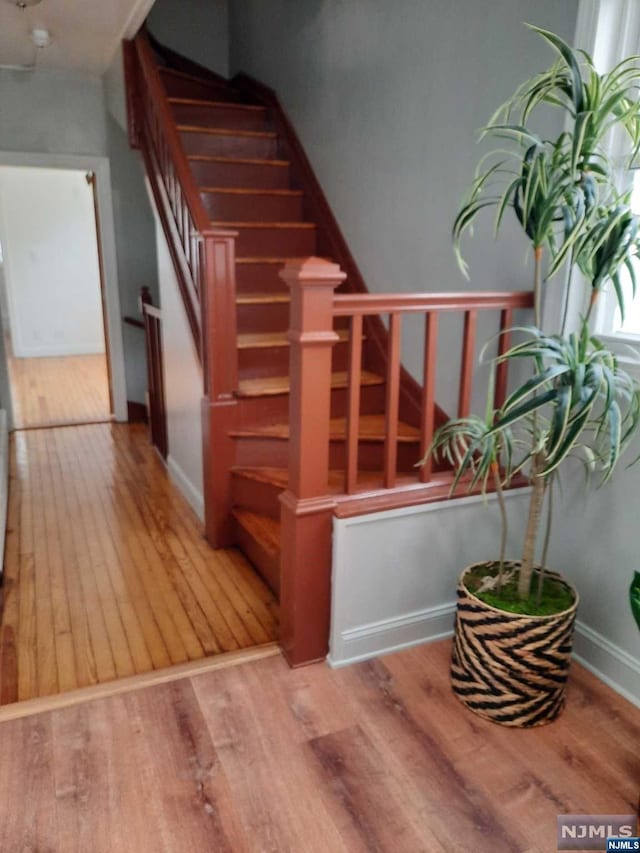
x: 428, y: 391
x: 504, y: 342
x: 306, y: 511
x: 466, y: 367
x: 392, y: 402
x: 353, y: 404
x: 220, y: 365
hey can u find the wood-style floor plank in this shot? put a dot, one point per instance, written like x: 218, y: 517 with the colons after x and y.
x: 379, y: 757
x: 58, y: 390
x: 107, y: 572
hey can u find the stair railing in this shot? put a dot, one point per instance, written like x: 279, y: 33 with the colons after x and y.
x: 204, y: 261
x: 308, y: 505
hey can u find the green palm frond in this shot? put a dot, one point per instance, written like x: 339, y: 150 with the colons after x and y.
x: 580, y: 395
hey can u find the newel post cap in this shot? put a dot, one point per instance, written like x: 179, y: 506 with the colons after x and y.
x: 312, y: 271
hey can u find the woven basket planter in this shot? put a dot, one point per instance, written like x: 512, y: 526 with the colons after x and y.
x: 507, y: 667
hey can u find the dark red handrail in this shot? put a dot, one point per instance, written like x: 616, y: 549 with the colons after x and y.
x: 204, y: 260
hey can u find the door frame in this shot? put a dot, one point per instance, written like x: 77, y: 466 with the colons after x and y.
x: 112, y: 315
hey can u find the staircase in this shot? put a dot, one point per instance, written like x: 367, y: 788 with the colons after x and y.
x: 307, y: 410
x: 246, y: 186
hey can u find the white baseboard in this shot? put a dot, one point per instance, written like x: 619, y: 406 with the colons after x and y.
x: 53, y: 351
x: 391, y: 635
x: 193, y: 495
x: 611, y: 664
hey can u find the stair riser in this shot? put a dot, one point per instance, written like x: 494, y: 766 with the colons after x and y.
x: 229, y: 145
x: 226, y: 117
x: 243, y: 175
x: 254, y: 411
x: 274, y: 361
x: 245, y: 206
x: 260, y: 278
x: 181, y: 87
x: 275, y: 242
x: 263, y: 318
x: 256, y: 496
x: 268, y: 566
x: 256, y: 452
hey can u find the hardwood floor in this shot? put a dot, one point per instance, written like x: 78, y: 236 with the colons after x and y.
x: 106, y: 570
x: 376, y: 757
x: 62, y: 390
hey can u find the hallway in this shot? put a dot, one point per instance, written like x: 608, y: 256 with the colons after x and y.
x: 71, y: 389
x: 106, y: 571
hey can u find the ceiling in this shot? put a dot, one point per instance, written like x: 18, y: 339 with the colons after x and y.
x: 84, y: 33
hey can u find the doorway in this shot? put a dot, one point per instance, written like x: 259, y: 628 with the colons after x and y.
x: 104, y: 205
x: 52, y: 297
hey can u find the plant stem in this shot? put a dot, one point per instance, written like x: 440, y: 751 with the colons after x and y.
x: 547, y: 539
x: 533, y: 524
x: 538, y: 483
x: 592, y: 302
x: 503, y: 516
x: 537, y: 286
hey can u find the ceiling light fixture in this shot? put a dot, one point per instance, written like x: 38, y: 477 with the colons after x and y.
x: 22, y: 4
x: 40, y: 37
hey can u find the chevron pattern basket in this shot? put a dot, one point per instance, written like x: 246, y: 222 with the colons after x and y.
x: 507, y: 667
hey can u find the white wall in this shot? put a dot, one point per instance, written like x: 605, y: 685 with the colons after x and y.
x: 183, y: 385
x: 4, y: 304
x: 51, y: 262
x: 198, y: 29
x: 395, y: 573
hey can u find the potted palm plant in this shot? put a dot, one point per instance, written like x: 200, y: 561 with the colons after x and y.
x: 514, y: 622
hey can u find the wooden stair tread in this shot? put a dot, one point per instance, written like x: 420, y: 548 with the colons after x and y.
x: 246, y: 161
x: 272, y: 385
x: 227, y: 105
x: 220, y: 223
x: 368, y: 481
x: 223, y: 131
x: 250, y: 191
x: 261, y: 260
x: 264, y: 529
x: 371, y: 428
x: 166, y: 69
x: 262, y: 298
x: 264, y: 340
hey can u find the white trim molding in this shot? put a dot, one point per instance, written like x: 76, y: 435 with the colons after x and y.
x: 611, y: 664
x: 185, y: 486
x: 392, y: 635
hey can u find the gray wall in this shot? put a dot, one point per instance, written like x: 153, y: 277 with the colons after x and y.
x: 66, y: 113
x: 198, y: 29
x: 136, y: 243
x: 595, y: 543
x: 387, y: 99
x: 52, y: 112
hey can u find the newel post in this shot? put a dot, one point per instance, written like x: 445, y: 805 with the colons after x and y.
x: 220, y: 369
x: 306, y: 508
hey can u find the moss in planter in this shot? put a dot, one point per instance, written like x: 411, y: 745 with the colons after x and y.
x: 556, y: 596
